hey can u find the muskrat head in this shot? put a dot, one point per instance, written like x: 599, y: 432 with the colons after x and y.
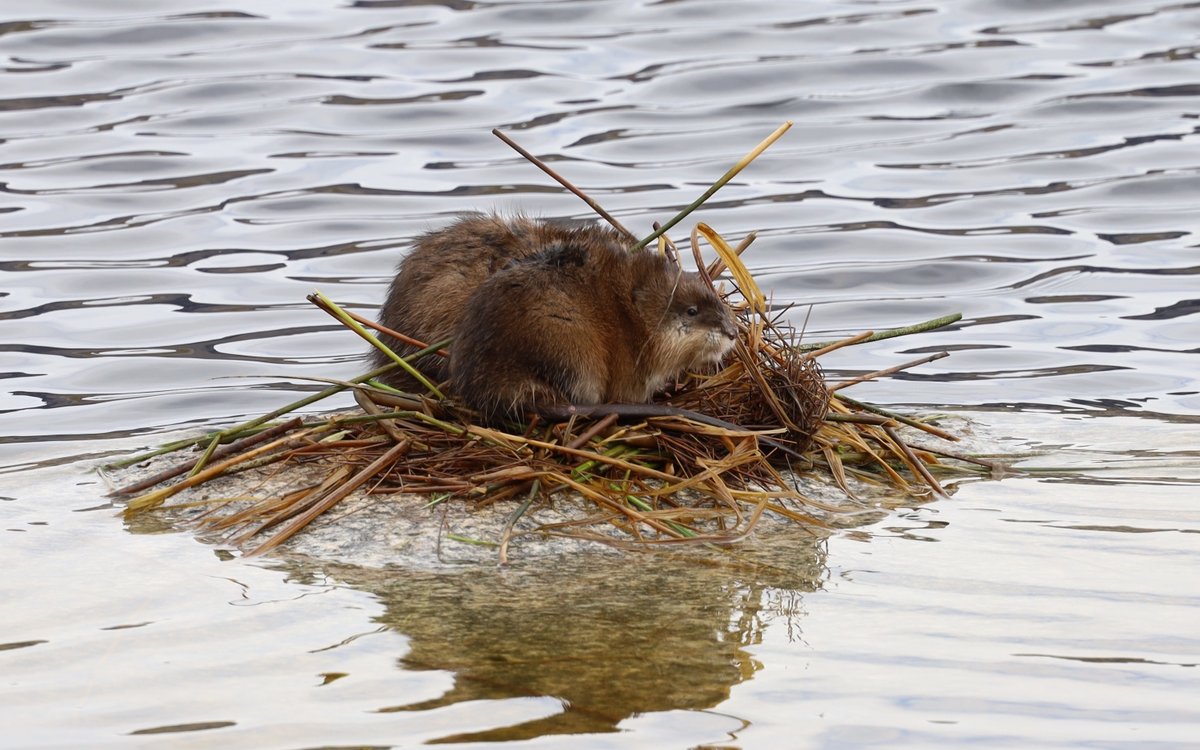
x: 695, y: 329
x: 704, y: 323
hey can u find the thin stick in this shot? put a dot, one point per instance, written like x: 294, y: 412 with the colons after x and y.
x: 393, y: 333
x: 567, y: 184
x: 875, y: 419
x: 593, y: 431
x: 170, y: 447
x: 928, y: 325
x: 393, y: 401
x: 835, y: 345
x: 733, y: 171
x: 995, y: 466
x: 367, y: 405
x: 887, y: 371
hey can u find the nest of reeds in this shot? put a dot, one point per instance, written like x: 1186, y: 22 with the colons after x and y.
x: 767, y: 416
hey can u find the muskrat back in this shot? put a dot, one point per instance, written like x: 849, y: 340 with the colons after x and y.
x: 584, y: 324
x: 433, y: 282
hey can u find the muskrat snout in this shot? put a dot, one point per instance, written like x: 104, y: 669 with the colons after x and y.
x: 715, y: 322
x: 717, y: 316
x: 729, y: 326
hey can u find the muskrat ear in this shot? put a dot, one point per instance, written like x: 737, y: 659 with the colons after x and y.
x: 649, y: 273
x: 649, y: 267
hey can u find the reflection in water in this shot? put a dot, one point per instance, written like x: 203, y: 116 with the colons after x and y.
x: 611, y: 637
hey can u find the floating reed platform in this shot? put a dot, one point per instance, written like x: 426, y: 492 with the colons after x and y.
x: 729, y: 453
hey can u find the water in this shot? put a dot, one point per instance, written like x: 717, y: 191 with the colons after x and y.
x: 176, y: 176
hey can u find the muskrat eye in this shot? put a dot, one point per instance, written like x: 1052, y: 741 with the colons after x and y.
x: 693, y: 311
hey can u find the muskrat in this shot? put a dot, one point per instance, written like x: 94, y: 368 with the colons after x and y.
x: 434, y: 281
x: 584, y: 322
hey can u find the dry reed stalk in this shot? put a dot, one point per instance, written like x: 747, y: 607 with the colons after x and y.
x: 331, y: 499
x: 566, y: 183
x: 186, y: 466
x: 156, y: 498
x: 887, y: 371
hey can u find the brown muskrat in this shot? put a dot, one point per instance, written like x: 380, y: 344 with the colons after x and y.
x: 584, y: 322
x: 434, y: 281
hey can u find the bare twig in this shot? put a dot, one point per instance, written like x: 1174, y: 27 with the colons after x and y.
x: 567, y: 184
x: 835, y: 345
x: 364, y: 320
x: 534, y: 487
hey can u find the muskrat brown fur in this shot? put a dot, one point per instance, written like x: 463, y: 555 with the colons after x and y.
x: 434, y: 281
x: 584, y: 323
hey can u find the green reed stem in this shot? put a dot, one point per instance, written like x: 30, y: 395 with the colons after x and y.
x: 733, y: 171
x: 331, y: 307
x: 256, y: 424
x: 891, y: 333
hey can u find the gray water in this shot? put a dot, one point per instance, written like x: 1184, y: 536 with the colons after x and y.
x: 176, y: 176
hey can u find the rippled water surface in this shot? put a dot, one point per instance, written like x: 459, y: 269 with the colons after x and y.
x: 176, y: 176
